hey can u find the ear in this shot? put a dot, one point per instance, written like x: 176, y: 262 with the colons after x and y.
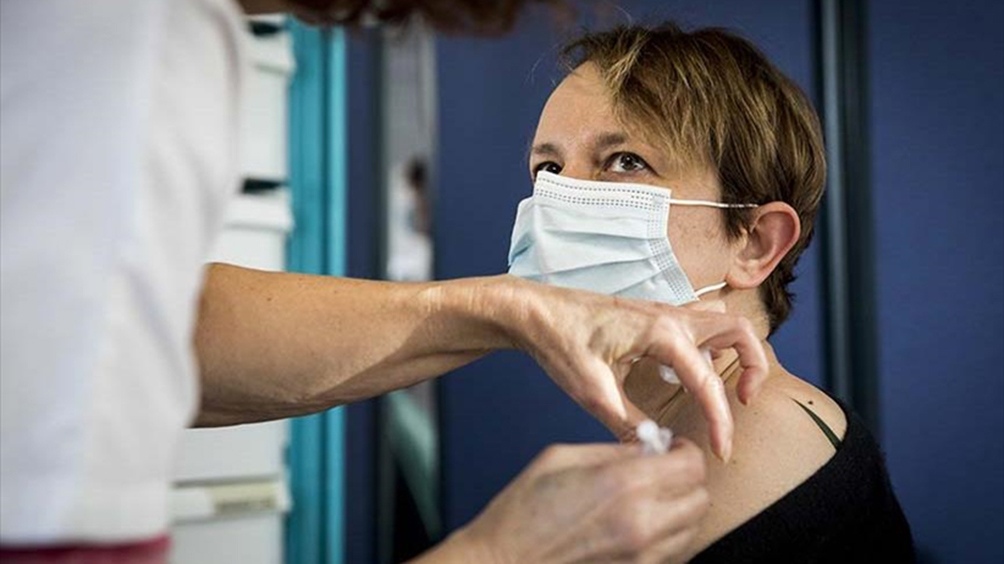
x: 774, y: 230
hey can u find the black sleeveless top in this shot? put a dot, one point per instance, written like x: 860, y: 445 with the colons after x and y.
x: 846, y: 512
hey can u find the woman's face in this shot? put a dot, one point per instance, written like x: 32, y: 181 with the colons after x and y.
x: 578, y: 136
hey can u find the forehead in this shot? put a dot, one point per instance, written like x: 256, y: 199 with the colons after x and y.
x: 580, y: 115
x: 579, y: 105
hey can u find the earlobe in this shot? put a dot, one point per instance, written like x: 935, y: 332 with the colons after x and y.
x: 774, y: 231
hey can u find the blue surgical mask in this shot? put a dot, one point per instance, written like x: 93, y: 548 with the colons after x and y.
x: 606, y: 237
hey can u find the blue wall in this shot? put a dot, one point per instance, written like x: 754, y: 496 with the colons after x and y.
x: 363, y: 223
x: 937, y: 77
x: 498, y: 413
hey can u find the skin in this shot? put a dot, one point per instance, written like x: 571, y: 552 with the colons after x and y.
x: 777, y: 446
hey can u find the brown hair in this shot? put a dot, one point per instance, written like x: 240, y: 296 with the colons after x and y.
x: 711, y: 98
x: 473, y: 16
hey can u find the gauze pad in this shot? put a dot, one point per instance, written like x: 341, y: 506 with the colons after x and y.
x: 654, y: 439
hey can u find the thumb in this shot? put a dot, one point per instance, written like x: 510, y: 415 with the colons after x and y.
x: 613, y: 408
x: 634, y: 417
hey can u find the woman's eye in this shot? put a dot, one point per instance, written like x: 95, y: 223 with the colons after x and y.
x: 627, y: 162
x: 548, y: 166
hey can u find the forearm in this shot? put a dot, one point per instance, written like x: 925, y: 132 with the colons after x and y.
x: 458, y: 548
x: 274, y: 345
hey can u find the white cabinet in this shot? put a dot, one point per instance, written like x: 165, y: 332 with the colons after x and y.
x: 231, y: 489
x: 265, y: 111
x: 247, y: 538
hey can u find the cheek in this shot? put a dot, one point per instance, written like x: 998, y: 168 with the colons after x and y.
x: 698, y: 243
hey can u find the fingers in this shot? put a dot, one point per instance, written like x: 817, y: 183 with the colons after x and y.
x: 588, y: 355
x: 683, y: 517
x: 660, y: 501
x: 599, y: 502
x: 560, y: 457
x: 732, y: 332
x: 678, y: 347
x: 605, y: 399
x: 664, y: 475
x: 700, y: 379
x: 739, y: 335
x: 634, y: 417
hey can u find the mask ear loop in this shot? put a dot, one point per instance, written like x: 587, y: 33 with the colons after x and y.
x: 711, y: 288
x: 666, y: 372
x: 721, y: 206
x: 710, y: 204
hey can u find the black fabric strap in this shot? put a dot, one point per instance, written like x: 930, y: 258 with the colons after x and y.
x: 830, y: 435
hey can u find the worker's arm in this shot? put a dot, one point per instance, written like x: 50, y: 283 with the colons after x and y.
x: 275, y: 345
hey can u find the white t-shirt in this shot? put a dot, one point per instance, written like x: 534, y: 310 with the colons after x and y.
x: 118, y: 131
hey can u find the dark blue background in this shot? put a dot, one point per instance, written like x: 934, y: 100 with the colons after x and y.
x: 937, y: 77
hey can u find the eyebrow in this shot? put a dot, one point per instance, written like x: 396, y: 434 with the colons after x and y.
x: 601, y: 142
x: 547, y: 149
x: 607, y: 140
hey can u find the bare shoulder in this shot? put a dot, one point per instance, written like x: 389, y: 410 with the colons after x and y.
x: 777, y: 445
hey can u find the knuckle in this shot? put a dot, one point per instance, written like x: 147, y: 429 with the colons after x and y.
x: 550, y: 456
x: 745, y: 325
x: 668, y: 323
x: 713, y: 383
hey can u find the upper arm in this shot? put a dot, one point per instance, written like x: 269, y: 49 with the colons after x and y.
x: 776, y: 447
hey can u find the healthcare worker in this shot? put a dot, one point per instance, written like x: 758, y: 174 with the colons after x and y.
x: 118, y: 133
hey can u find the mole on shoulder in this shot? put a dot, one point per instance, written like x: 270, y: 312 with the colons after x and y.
x: 810, y: 402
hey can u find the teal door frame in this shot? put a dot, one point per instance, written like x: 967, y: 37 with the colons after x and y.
x: 317, y: 151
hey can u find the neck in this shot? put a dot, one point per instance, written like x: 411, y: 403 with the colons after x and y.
x: 661, y: 401
x: 647, y: 390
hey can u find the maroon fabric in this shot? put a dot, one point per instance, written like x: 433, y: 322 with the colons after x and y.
x: 146, y: 552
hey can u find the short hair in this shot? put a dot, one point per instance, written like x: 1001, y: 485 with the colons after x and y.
x: 469, y: 16
x: 711, y: 98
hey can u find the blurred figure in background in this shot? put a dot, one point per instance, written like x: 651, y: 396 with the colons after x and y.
x: 409, y: 224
